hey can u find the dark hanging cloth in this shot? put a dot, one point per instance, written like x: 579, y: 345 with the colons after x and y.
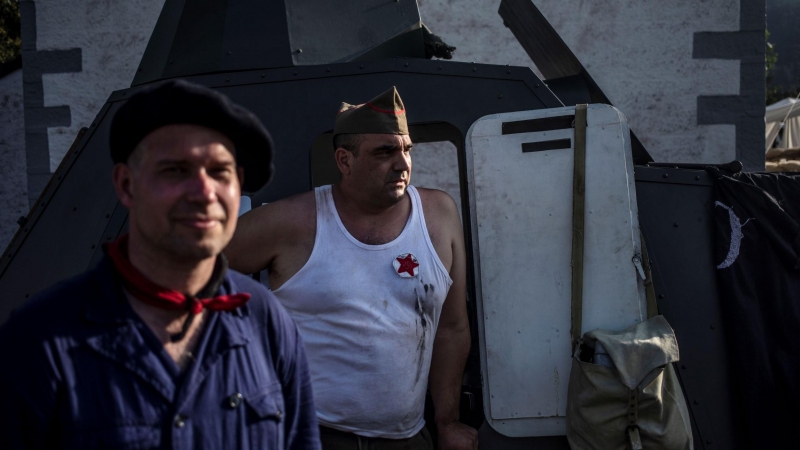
x: 757, y: 250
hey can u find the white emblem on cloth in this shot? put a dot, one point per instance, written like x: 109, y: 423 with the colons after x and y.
x: 736, y: 236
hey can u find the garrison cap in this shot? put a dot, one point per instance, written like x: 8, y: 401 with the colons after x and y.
x: 181, y: 102
x: 384, y: 114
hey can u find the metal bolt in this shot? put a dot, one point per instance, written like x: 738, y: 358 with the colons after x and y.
x: 508, y: 72
x: 697, y: 178
x: 675, y: 224
x: 227, y: 80
x: 474, y: 69
x: 500, y: 96
x: 666, y: 175
x: 405, y: 65
x: 537, y: 84
x: 299, y: 50
x: 327, y: 69
x: 660, y: 295
x: 361, y: 66
x: 229, y: 52
x: 263, y: 75
x: 179, y: 423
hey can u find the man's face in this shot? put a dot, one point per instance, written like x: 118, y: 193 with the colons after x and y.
x: 182, y: 189
x: 382, y: 167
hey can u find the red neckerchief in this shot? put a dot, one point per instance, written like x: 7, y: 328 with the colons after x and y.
x: 152, y: 294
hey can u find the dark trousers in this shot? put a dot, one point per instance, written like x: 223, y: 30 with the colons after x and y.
x: 341, y: 440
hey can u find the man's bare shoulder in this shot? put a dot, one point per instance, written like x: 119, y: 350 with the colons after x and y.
x: 438, y: 204
x: 289, y: 212
x: 266, y: 232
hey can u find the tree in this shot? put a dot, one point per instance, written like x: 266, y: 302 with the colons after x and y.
x: 10, y: 40
x: 775, y: 93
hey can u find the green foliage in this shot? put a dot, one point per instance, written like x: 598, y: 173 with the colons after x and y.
x: 10, y: 40
x: 771, y: 57
x: 775, y: 93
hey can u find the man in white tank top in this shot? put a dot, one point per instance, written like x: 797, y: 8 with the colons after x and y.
x: 374, y: 273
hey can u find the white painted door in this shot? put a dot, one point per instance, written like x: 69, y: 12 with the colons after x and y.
x: 520, y: 186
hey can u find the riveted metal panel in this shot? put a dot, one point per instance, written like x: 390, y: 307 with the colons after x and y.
x: 297, y: 104
x: 676, y: 215
x: 521, y: 207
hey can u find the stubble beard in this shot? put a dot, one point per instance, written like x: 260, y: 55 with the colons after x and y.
x: 186, y: 246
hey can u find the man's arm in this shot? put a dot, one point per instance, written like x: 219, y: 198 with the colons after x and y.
x: 251, y: 249
x: 27, y: 406
x: 265, y: 232
x: 451, y: 345
x: 301, y: 430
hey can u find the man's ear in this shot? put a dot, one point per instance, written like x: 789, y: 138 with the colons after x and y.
x: 240, y: 175
x: 344, y: 160
x: 122, y: 177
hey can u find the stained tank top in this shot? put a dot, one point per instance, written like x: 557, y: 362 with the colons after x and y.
x: 368, y: 316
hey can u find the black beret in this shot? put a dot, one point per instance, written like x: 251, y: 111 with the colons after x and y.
x: 181, y: 102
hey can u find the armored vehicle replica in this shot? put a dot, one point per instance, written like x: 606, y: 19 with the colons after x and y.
x: 518, y: 139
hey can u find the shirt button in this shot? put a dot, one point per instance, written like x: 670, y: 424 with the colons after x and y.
x: 178, y: 422
x: 235, y: 400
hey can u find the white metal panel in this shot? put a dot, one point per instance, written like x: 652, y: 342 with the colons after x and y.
x: 522, y: 238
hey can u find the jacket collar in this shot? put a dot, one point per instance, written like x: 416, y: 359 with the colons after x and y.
x: 108, y: 304
x: 120, y: 335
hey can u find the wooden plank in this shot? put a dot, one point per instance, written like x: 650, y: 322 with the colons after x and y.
x: 539, y: 39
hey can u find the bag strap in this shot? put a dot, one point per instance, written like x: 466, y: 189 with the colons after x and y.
x: 652, y: 305
x: 578, y: 219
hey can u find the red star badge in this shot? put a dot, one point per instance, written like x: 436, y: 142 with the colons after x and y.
x: 406, y: 265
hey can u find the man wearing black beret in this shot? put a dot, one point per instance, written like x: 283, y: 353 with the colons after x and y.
x: 160, y: 345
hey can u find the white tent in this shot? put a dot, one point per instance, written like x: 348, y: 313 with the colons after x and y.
x: 787, y: 113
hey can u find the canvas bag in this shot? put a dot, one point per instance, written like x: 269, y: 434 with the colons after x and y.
x: 638, y: 403
x: 633, y: 400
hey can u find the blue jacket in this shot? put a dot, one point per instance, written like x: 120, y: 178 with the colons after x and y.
x: 79, y: 369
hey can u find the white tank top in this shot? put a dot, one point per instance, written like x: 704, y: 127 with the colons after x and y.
x: 368, y: 315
